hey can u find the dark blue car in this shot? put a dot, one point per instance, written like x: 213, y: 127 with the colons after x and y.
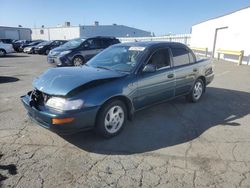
x: 111, y: 87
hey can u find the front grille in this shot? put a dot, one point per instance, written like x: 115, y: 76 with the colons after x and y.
x: 38, y: 98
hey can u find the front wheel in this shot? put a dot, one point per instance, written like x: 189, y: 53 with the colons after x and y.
x: 2, y: 53
x: 111, y: 119
x: 46, y: 52
x: 196, y: 92
x: 78, y: 61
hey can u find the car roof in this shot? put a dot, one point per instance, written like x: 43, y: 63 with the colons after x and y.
x: 99, y: 37
x: 151, y: 44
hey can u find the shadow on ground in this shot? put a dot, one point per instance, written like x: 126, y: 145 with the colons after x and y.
x: 10, y: 168
x: 6, y: 79
x: 170, y: 123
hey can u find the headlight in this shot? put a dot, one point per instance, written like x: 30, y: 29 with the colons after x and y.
x: 64, y: 104
x: 65, y: 52
x: 40, y: 46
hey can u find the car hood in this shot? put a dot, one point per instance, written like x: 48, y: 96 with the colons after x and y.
x: 38, y: 45
x: 61, y: 49
x: 61, y: 81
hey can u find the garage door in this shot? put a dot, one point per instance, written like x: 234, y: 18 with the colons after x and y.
x: 12, y: 34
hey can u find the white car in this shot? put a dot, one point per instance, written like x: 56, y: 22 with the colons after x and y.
x: 5, y: 49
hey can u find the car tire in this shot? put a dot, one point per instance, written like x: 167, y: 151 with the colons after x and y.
x: 111, y: 119
x: 197, y: 91
x: 2, y: 53
x: 47, y: 52
x: 78, y: 61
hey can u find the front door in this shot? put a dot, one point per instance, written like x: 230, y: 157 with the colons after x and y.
x: 156, y: 86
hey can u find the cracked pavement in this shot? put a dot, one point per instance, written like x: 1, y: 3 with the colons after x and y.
x: 175, y: 144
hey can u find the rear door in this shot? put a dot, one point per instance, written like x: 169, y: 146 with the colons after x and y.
x: 156, y: 86
x: 185, y: 69
x: 91, y: 47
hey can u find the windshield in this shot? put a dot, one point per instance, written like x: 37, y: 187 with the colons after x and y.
x: 119, y: 58
x: 33, y: 43
x: 73, y: 43
x: 44, y: 43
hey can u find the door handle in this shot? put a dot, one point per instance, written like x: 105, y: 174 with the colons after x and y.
x: 195, y: 70
x: 170, y: 75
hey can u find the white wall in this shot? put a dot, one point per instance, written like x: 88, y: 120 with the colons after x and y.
x: 37, y: 35
x: 235, y: 37
x: 56, y: 33
x: 64, y: 33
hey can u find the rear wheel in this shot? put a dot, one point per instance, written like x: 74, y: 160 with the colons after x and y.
x: 197, y: 91
x: 78, y: 61
x: 111, y: 119
x: 2, y: 52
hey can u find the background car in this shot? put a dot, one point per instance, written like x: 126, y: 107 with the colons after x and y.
x: 33, y: 43
x: 5, y: 49
x: 45, y: 47
x: 18, y: 43
x: 29, y: 49
x: 7, y: 41
x: 77, y: 52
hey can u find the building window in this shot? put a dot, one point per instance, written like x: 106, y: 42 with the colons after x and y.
x: 41, y: 31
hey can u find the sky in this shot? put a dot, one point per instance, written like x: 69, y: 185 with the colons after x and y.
x: 158, y: 16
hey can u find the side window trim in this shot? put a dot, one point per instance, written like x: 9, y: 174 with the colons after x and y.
x: 192, y: 54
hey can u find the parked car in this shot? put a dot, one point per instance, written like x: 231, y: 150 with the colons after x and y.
x: 29, y: 49
x: 115, y: 84
x: 78, y: 51
x: 45, y: 47
x: 33, y: 43
x: 18, y: 43
x: 5, y: 49
x: 7, y: 41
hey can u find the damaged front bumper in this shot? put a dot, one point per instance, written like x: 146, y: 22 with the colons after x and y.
x: 83, y: 120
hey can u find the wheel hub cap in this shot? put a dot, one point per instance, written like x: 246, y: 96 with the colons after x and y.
x: 198, y: 89
x: 78, y: 62
x: 114, y: 119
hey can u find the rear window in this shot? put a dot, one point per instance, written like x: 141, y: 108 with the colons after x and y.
x: 109, y: 42
x: 180, y: 56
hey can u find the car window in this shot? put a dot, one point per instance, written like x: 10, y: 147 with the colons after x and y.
x: 191, y: 57
x: 73, y: 43
x: 106, y: 43
x: 119, y: 58
x: 56, y: 43
x: 180, y: 56
x: 160, y: 59
x: 94, y: 43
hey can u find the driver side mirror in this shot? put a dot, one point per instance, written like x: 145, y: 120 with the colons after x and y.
x: 149, y: 68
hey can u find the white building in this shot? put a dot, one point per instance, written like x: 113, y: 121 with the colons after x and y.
x: 69, y: 32
x: 229, y: 32
x: 17, y: 33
